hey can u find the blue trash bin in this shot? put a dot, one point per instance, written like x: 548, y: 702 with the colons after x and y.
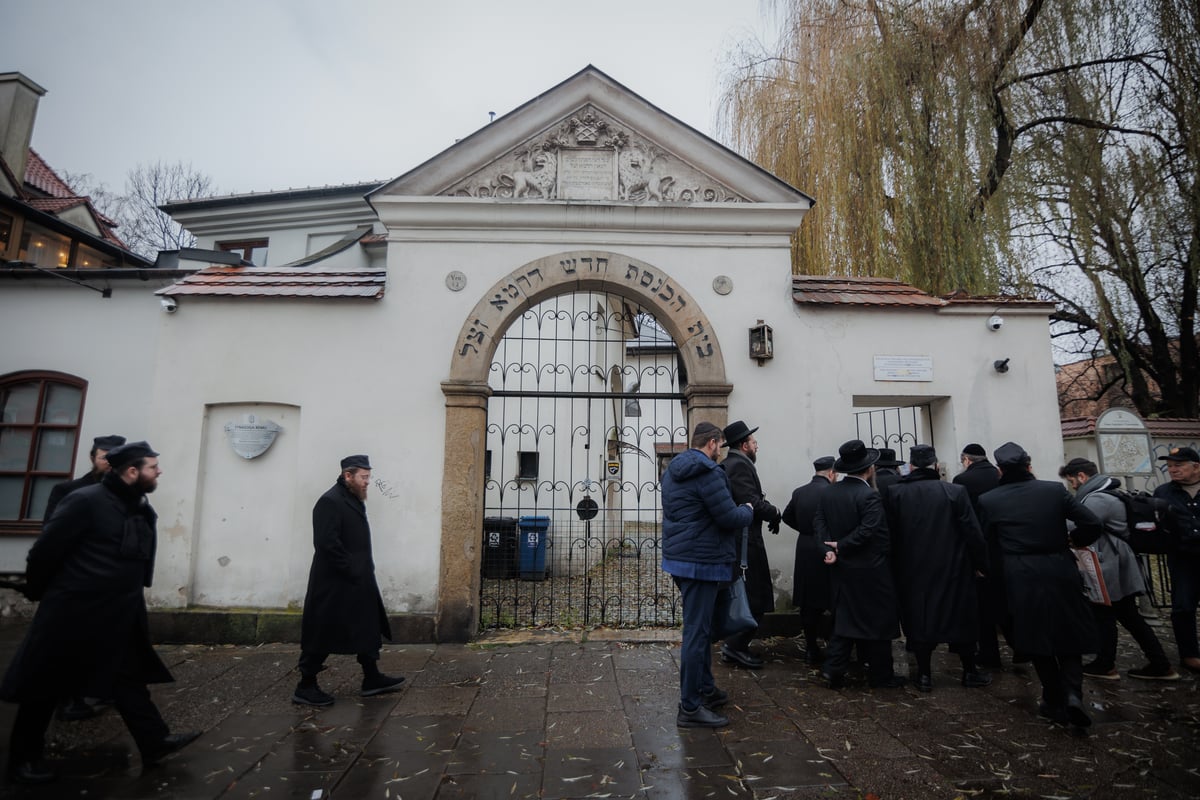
x: 531, y: 548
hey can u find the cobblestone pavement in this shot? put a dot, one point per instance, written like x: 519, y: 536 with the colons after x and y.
x: 574, y: 715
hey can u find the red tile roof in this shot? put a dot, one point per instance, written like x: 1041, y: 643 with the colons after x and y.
x: 56, y: 205
x: 840, y: 290
x: 221, y: 281
x: 1159, y: 428
x: 40, y: 176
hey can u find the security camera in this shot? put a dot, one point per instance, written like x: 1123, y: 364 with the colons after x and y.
x: 995, y: 322
x: 169, y: 305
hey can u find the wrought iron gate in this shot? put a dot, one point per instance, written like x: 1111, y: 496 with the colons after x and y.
x: 587, y: 408
x: 897, y: 428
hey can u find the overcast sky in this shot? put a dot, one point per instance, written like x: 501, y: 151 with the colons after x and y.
x: 275, y: 94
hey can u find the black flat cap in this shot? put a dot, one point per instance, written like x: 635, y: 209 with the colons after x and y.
x: 1010, y: 454
x: 124, y: 455
x: 356, y: 462
x: 823, y: 464
x: 108, y: 442
x: 922, y: 455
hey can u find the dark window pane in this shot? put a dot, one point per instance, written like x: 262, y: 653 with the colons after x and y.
x: 39, y: 496
x: 55, y: 451
x: 14, y: 448
x: 18, y: 403
x: 62, y: 404
x: 10, y: 497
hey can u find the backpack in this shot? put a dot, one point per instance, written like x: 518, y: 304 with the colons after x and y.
x: 1150, y: 521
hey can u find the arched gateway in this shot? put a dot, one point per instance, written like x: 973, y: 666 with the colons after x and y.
x: 467, y: 392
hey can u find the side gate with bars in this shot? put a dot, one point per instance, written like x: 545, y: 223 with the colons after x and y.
x: 587, y: 408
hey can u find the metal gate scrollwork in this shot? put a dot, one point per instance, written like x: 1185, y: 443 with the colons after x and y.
x: 587, y: 408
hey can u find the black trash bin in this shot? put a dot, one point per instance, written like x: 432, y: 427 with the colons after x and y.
x: 499, y: 547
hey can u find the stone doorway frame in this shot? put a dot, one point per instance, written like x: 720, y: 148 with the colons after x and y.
x: 467, y: 393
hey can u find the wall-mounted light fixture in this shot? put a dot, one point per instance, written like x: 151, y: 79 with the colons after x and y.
x: 762, y: 342
x: 1000, y: 366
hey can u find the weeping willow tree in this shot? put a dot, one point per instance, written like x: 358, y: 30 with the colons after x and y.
x: 1037, y: 146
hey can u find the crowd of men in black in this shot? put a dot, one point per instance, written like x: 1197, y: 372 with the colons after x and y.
x: 892, y: 549
x: 89, y: 646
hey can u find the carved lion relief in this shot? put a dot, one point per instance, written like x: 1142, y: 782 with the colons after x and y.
x: 644, y: 172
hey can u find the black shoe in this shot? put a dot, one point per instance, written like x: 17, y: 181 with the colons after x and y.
x: 702, y: 717
x: 31, y: 772
x: 1056, y: 714
x: 311, y: 696
x: 815, y: 656
x: 1076, y: 715
x: 834, y: 682
x: 894, y: 682
x: 170, y: 743
x: 76, y: 709
x: 1151, y: 672
x: 743, y: 658
x: 924, y: 683
x: 714, y: 699
x: 379, y: 684
x: 976, y: 680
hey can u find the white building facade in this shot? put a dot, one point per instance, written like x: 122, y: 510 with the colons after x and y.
x: 381, y: 311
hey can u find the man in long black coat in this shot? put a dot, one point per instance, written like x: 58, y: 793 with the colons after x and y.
x: 810, y: 576
x: 343, y: 610
x: 937, y: 549
x: 98, y: 455
x: 745, y: 486
x: 86, y: 705
x: 1051, y: 620
x: 89, y: 567
x: 978, y: 477
x: 851, y: 526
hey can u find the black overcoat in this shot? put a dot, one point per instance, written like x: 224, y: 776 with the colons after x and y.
x: 89, y: 567
x: 977, y: 479
x: 937, y: 546
x: 744, y: 484
x: 810, y: 576
x: 63, y: 489
x: 864, y: 596
x: 1028, y: 519
x: 343, y: 610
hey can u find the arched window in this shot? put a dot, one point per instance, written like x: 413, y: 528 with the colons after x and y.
x: 39, y: 435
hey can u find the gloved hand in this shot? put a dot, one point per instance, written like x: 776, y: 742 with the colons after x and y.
x: 773, y: 525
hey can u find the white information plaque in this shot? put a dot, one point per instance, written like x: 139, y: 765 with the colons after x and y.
x: 903, y: 368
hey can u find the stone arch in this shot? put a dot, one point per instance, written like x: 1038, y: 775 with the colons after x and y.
x: 467, y: 394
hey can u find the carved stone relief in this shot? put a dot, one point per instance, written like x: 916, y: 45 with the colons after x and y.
x: 591, y: 157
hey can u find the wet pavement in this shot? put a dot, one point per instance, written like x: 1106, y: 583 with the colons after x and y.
x: 581, y: 715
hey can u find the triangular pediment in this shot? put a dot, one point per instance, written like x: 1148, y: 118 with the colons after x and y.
x: 590, y: 139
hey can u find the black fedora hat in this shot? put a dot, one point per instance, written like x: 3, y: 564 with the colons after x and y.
x: 737, y: 432
x: 854, y: 456
x: 887, y: 458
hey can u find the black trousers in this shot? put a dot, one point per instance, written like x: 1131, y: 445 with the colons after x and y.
x: 876, y: 652
x: 1125, y: 611
x: 133, y: 703
x: 312, y: 663
x: 1061, y: 677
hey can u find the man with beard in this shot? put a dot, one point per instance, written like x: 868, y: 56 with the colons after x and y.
x: 886, y: 469
x: 744, y: 484
x: 83, y: 707
x: 1051, y: 620
x: 1183, y: 562
x: 851, y: 526
x: 810, y: 576
x: 100, y: 447
x: 343, y: 610
x: 937, y: 550
x: 89, y: 568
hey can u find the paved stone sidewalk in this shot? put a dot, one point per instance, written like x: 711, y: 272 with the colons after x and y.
x: 558, y: 717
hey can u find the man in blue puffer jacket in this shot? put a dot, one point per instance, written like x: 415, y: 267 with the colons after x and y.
x: 700, y: 534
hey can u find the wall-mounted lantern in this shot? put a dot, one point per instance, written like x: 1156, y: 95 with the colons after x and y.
x: 762, y: 342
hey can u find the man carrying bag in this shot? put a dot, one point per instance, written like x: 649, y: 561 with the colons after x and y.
x: 699, y: 534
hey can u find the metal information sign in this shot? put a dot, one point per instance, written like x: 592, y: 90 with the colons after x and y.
x: 251, y: 437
